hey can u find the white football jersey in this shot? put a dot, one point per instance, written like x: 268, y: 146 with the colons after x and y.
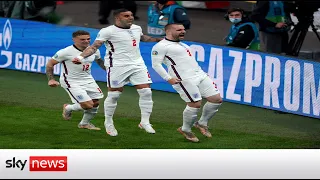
x: 178, y: 58
x: 71, y: 73
x: 122, y: 45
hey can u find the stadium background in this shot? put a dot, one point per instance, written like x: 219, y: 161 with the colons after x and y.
x: 207, y: 26
x: 31, y: 118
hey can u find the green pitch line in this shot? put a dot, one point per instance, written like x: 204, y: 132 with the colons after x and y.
x: 30, y: 117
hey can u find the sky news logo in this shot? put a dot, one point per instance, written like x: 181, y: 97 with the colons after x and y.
x: 40, y: 163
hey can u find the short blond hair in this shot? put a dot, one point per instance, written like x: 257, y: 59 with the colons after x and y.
x: 168, y: 26
x: 79, y: 33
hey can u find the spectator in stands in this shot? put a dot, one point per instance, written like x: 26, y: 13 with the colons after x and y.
x: 165, y: 12
x: 243, y: 33
x: 4, y: 8
x: 38, y: 10
x: 273, y: 18
x: 105, y: 8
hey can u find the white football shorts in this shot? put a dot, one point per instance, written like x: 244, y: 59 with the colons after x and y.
x: 119, y: 76
x: 83, y: 93
x: 192, y: 90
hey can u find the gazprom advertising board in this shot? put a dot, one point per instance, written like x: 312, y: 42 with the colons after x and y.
x: 242, y: 76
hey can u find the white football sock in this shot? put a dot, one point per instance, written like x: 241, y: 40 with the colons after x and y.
x: 146, y: 104
x: 189, y: 118
x: 110, y: 104
x: 74, y: 107
x: 88, y: 115
x: 208, y: 111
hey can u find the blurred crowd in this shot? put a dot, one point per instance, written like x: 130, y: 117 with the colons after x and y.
x: 266, y: 28
x: 39, y: 10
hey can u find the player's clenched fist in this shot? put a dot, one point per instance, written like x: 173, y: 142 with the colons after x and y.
x: 77, y: 60
x: 53, y: 83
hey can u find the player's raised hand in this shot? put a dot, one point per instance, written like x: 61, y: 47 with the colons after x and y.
x: 173, y: 81
x: 53, y: 83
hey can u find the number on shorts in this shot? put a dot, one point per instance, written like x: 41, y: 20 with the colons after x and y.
x: 99, y: 90
x: 148, y: 75
x: 134, y: 42
x: 189, y: 52
x: 215, y: 85
x: 85, y: 67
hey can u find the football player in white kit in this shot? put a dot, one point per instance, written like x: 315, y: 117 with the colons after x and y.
x: 188, y: 79
x: 77, y: 80
x: 125, y: 64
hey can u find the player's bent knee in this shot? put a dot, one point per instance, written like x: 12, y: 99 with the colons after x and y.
x: 219, y: 100
x: 215, y: 99
x: 96, y: 102
x: 142, y: 86
x: 113, y: 95
x: 87, y: 105
x: 195, y: 104
x: 94, y: 110
x: 115, y: 89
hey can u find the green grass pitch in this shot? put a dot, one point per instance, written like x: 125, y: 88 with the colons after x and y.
x: 30, y: 118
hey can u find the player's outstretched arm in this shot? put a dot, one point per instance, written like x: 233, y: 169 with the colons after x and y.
x: 92, y: 49
x: 100, y: 62
x: 49, y: 71
x: 146, y: 38
x: 88, y: 51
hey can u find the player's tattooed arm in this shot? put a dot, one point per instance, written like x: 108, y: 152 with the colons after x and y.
x: 49, y: 72
x: 92, y: 49
x: 49, y: 68
x: 100, y: 62
x: 145, y: 38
